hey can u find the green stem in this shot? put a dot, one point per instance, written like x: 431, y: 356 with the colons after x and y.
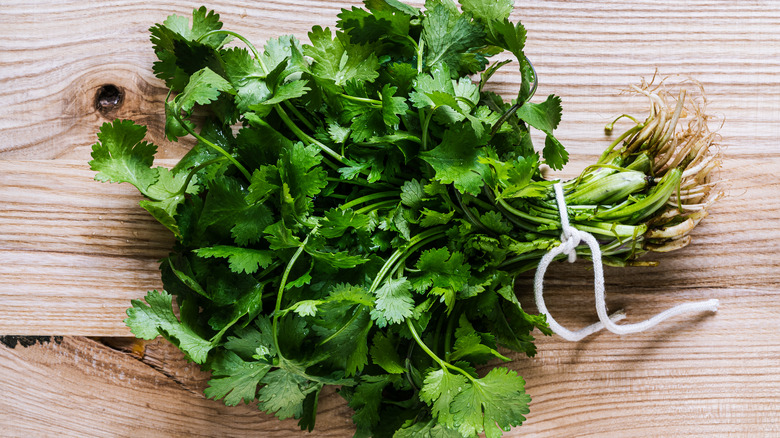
x: 367, y: 198
x: 377, y: 103
x: 426, y: 122
x: 280, y: 294
x: 195, y: 170
x: 420, y: 48
x: 450, y: 329
x: 416, y: 241
x: 443, y: 364
x: 242, y: 39
x: 200, y: 138
x: 341, y: 330
x: 306, y: 137
x: 376, y: 206
x: 525, y: 216
x: 606, y: 155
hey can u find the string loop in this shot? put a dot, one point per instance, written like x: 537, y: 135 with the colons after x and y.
x: 570, y: 240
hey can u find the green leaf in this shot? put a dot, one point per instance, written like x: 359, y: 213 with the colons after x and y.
x: 302, y: 178
x: 394, y: 302
x: 456, y: 160
x: 338, y: 60
x: 392, y: 107
x: 487, y: 10
x: 203, y: 21
x: 554, y: 153
x: 256, y: 339
x: 157, y: 318
x: 492, y: 404
x: 393, y: 5
x: 226, y: 208
x: 543, y: 116
x: 121, y: 155
x: 450, y: 37
x: 306, y: 307
x: 235, y: 379
x: 447, y: 273
x: 366, y: 400
x: 203, y: 88
x: 337, y: 221
x: 284, y: 393
x: 439, y: 391
x: 240, y: 259
x: 431, y: 429
x: 284, y: 49
x: 431, y: 218
x: 384, y: 354
x: 471, y: 345
x: 412, y: 193
x: 175, y: 45
x: 368, y: 27
x: 281, y: 237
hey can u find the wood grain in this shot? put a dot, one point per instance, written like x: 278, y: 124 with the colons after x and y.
x: 73, y: 252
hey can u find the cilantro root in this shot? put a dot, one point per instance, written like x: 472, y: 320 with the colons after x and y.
x: 356, y: 209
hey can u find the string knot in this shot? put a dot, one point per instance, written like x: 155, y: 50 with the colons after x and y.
x: 570, y: 240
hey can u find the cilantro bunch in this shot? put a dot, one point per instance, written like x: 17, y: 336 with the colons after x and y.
x: 356, y: 209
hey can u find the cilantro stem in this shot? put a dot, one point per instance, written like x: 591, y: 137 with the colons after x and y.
x: 355, y: 314
x: 426, y: 122
x: 358, y: 182
x: 376, y: 103
x: 201, y: 139
x: 420, y: 48
x: 306, y: 137
x: 419, y: 239
x: 241, y: 38
x: 525, y: 216
x: 280, y: 294
x: 442, y: 363
x: 195, y: 170
x: 367, y: 198
x: 608, y: 151
x: 451, y: 319
x: 376, y: 206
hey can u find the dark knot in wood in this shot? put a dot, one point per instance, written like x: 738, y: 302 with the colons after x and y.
x: 108, y: 98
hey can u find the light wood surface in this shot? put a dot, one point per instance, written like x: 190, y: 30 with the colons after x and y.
x: 73, y: 252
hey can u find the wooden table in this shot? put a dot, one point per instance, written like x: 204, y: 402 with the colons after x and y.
x: 73, y: 252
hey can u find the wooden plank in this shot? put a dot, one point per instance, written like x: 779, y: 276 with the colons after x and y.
x: 604, y: 387
x: 80, y: 387
x: 74, y: 252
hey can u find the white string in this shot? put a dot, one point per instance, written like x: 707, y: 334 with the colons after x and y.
x: 570, y: 239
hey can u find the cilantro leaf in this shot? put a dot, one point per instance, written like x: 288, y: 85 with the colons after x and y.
x: 440, y: 389
x: 157, y: 318
x: 491, y: 404
x: 478, y: 347
x: 383, y: 353
x: 203, y: 87
x: 456, y: 160
x: 394, y: 302
x: 234, y: 379
x: 121, y: 155
x: 392, y: 106
x: 241, y: 259
x: 487, y: 10
x: 366, y: 399
x: 545, y: 117
x: 339, y: 61
x: 284, y: 393
x: 449, y: 36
